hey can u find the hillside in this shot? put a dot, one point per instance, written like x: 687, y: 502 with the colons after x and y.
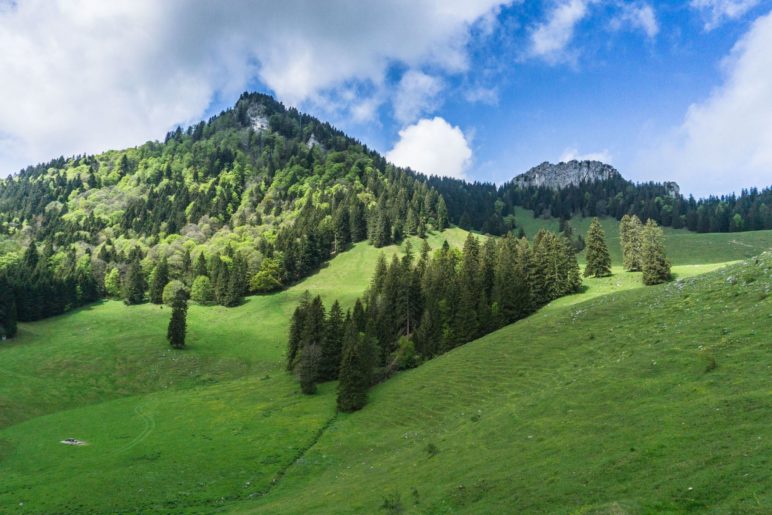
x: 510, y: 422
x: 103, y: 374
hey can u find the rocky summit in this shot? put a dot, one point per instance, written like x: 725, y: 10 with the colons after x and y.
x: 562, y: 175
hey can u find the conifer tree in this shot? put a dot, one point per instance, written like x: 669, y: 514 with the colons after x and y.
x: 175, y: 333
x: 160, y: 278
x: 201, y: 265
x: 308, y: 368
x: 332, y: 346
x: 630, y: 228
x: 134, y: 285
x: 654, y: 263
x: 297, y: 324
x: 598, y: 259
x: 442, y: 214
x: 355, y: 371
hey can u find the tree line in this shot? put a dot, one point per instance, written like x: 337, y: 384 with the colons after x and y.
x: 420, y: 306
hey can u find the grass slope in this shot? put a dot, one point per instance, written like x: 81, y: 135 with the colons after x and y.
x: 649, y: 400
x: 165, y: 428
x: 217, y: 424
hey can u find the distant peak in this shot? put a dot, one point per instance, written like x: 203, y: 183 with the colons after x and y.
x: 564, y: 174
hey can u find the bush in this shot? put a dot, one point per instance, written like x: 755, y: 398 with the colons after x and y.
x: 170, y: 291
x: 201, y: 291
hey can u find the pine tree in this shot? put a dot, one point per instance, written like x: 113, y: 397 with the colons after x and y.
x: 630, y: 228
x: 175, y: 334
x: 598, y: 259
x: 355, y: 371
x: 160, y: 278
x: 654, y: 263
x: 442, y: 214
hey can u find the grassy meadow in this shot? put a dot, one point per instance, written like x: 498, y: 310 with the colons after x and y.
x: 513, y: 418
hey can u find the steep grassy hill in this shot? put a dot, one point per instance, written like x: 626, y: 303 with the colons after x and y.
x: 649, y: 400
x: 223, y: 423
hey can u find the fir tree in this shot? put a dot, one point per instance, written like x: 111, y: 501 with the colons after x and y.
x: 201, y: 265
x: 630, y: 239
x: 134, y: 284
x: 598, y: 259
x: 308, y: 368
x: 333, y: 344
x: 355, y: 371
x: 160, y: 278
x: 297, y: 324
x: 175, y: 334
x: 654, y: 263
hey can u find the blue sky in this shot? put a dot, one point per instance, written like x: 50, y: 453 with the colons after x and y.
x: 479, y: 89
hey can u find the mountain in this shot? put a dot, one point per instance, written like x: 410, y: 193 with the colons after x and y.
x: 561, y: 175
x: 261, y: 195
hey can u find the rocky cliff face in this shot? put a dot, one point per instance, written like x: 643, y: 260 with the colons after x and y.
x: 561, y: 175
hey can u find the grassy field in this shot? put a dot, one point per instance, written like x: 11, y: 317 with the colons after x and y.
x: 650, y: 400
x: 221, y: 425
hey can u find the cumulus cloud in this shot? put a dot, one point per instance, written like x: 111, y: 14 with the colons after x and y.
x: 416, y: 94
x: 717, y: 12
x: 573, y: 154
x: 725, y: 141
x: 434, y: 147
x: 85, y: 75
x: 550, y: 38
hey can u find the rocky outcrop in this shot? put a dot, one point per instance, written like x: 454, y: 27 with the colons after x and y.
x: 561, y: 175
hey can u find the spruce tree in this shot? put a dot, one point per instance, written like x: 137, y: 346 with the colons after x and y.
x: 355, y: 371
x: 297, y: 325
x: 134, y: 284
x: 160, y: 278
x: 332, y: 346
x: 201, y: 265
x: 654, y: 262
x: 177, y: 324
x: 630, y: 228
x: 308, y: 368
x: 442, y: 215
x: 598, y: 259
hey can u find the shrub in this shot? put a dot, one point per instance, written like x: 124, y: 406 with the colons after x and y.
x: 201, y: 291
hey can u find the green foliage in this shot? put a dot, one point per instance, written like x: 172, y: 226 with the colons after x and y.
x: 201, y: 291
x: 113, y: 283
x: 177, y: 329
x: 171, y: 292
x: 134, y: 282
x: 356, y: 370
x: 268, y: 278
x: 598, y: 259
x: 630, y: 229
x: 158, y: 282
x: 654, y: 263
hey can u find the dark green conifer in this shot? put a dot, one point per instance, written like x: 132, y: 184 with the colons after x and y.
x: 355, y: 371
x: 654, y: 262
x: 176, y: 331
x: 160, y: 278
x: 134, y: 284
x: 598, y: 259
x: 332, y: 346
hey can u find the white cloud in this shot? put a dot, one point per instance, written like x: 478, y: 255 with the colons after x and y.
x: 434, y: 147
x: 637, y: 16
x: 482, y: 95
x: 416, y: 94
x: 572, y: 153
x: 550, y: 39
x: 717, y: 12
x: 725, y: 142
x: 86, y: 75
